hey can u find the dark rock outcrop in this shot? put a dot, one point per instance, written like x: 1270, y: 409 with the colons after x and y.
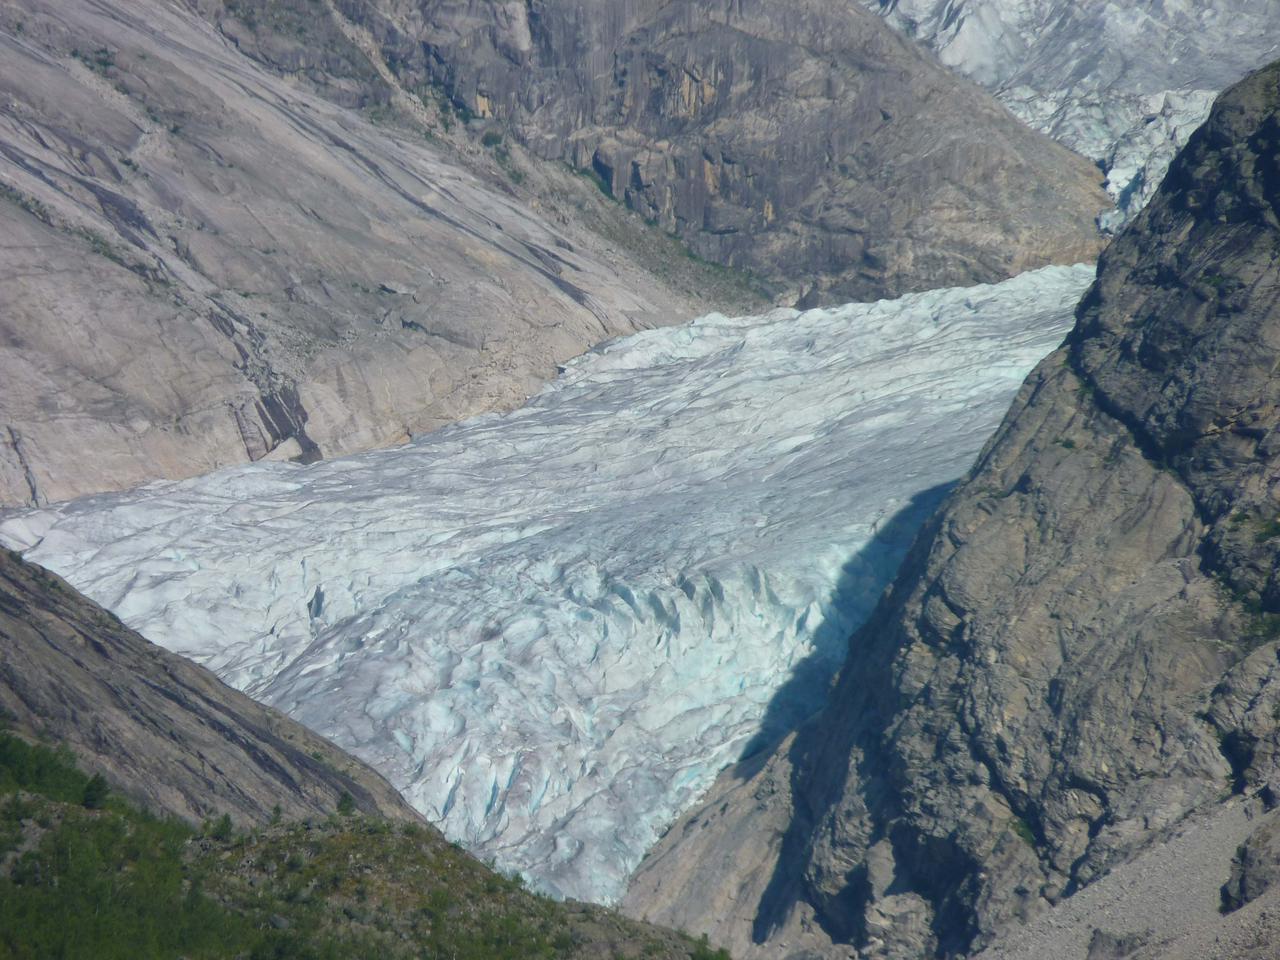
x: 161, y: 729
x: 1255, y: 869
x: 803, y: 140
x: 1083, y: 647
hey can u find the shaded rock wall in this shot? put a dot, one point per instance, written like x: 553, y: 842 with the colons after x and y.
x: 804, y: 141
x: 1082, y: 647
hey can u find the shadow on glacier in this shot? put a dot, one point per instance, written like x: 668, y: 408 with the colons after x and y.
x: 820, y: 755
x: 862, y: 579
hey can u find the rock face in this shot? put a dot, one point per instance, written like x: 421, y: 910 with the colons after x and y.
x: 804, y: 140
x: 242, y: 229
x: 161, y: 729
x: 206, y: 262
x: 1123, y: 83
x: 1082, y: 646
x: 1255, y: 869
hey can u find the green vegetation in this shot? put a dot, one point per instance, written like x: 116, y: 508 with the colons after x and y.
x: 100, y: 61
x: 514, y: 173
x: 491, y: 138
x: 1262, y: 628
x: 1259, y: 625
x: 29, y: 204
x: 592, y: 176
x: 1269, y: 530
x: 702, y: 950
x: 88, y: 876
x: 83, y: 874
x: 1023, y: 831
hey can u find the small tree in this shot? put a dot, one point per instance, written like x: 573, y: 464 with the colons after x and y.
x: 222, y: 828
x: 346, y: 804
x: 95, y: 793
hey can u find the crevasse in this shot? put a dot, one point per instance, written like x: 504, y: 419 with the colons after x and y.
x: 552, y: 628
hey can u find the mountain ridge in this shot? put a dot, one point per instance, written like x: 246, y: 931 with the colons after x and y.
x: 162, y: 730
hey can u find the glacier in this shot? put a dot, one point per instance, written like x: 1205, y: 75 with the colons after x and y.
x: 552, y: 628
x: 1124, y: 83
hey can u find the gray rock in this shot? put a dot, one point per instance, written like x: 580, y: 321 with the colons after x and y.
x: 803, y: 140
x: 162, y: 730
x: 205, y: 262
x: 1123, y: 84
x: 1104, y: 945
x: 1081, y: 648
x: 1255, y: 869
x: 246, y: 230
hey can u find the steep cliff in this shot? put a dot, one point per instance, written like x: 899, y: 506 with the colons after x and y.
x: 206, y: 262
x: 805, y: 141
x: 1081, y: 649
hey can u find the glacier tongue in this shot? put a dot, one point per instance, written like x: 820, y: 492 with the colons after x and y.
x: 1124, y: 83
x: 552, y: 628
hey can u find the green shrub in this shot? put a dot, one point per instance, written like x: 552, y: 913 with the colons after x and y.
x: 222, y: 828
x: 39, y: 769
x: 94, y: 796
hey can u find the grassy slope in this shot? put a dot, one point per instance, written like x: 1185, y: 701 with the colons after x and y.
x: 85, y: 874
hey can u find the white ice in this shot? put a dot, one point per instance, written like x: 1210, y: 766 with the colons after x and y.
x: 1124, y: 82
x: 552, y: 628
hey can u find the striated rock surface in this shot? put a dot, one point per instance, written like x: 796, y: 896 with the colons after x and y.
x: 240, y: 230
x: 161, y: 729
x: 805, y: 141
x: 206, y: 262
x: 1082, y: 647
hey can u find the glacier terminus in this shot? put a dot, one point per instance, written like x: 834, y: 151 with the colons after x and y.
x: 552, y: 628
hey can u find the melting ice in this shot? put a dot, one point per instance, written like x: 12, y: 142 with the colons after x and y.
x: 552, y: 628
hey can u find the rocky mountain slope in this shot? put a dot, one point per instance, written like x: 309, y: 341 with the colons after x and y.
x: 244, y: 230
x: 1082, y: 647
x: 1123, y: 83
x: 164, y: 731
x: 1166, y: 903
x: 208, y: 262
x: 801, y: 140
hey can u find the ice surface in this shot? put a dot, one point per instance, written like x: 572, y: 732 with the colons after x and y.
x: 1124, y: 82
x: 552, y: 628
